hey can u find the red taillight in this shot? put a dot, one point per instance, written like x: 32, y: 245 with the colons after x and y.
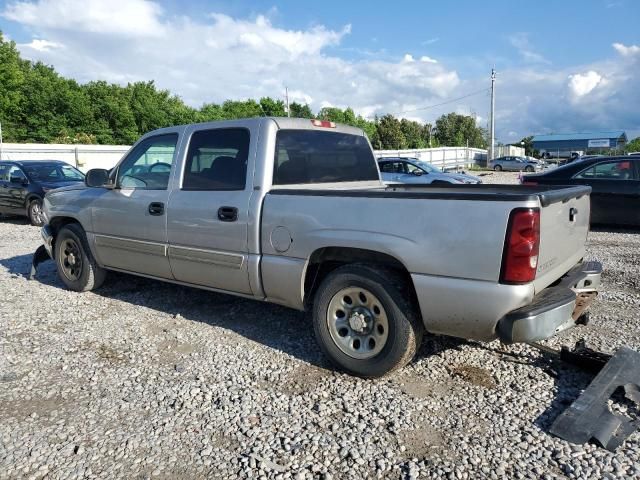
x: 323, y: 123
x: 521, y: 246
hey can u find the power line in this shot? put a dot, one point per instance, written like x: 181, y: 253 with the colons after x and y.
x: 444, y: 103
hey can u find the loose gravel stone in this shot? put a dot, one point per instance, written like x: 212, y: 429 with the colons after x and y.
x: 144, y: 379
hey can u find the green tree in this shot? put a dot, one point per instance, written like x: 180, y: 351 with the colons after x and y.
x: 390, y: 136
x: 300, y: 111
x: 633, y: 145
x: 272, y: 108
x: 455, y: 130
x: 113, y: 121
x: 233, y: 109
x: 413, y: 133
x: 13, y: 71
x: 528, y: 146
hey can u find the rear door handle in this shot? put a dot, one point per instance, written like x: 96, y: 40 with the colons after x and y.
x: 228, y: 214
x: 156, y: 208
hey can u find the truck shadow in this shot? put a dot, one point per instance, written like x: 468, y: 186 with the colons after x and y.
x: 277, y: 327
x: 569, y: 382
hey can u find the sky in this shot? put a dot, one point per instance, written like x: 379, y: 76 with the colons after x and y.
x: 569, y: 66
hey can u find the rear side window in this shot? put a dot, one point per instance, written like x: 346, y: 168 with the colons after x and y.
x: 309, y: 156
x: 619, y: 170
x: 217, y: 160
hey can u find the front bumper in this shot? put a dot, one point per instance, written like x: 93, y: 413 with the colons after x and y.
x: 47, y: 237
x: 554, y: 309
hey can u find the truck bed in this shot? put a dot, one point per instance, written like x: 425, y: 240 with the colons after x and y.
x: 545, y: 194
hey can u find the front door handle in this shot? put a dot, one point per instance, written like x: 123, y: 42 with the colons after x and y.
x: 156, y: 208
x: 228, y: 214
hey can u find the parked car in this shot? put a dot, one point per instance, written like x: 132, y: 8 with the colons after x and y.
x: 23, y: 185
x: 292, y: 211
x: 582, y: 157
x: 412, y: 170
x: 515, y: 164
x: 557, y: 155
x: 615, y: 183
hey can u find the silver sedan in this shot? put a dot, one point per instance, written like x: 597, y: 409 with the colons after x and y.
x: 514, y: 164
x: 412, y: 170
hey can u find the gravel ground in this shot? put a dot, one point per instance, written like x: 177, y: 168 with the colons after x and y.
x: 143, y: 379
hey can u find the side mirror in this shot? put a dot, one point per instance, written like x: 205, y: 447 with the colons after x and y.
x: 20, y: 180
x: 418, y: 173
x: 97, y: 177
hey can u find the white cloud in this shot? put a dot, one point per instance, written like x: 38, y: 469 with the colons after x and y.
x: 215, y: 57
x: 582, y: 84
x: 626, y: 51
x: 426, y: 59
x: 40, y: 45
x: 522, y: 43
x: 430, y: 41
x: 129, y: 17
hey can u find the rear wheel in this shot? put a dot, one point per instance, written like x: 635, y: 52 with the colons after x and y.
x: 36, y: 216
x: 76, y: 266
x: 365, y: 322
x: 498, y: 168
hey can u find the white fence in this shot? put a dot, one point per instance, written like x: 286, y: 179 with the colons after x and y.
x: 446, y: 158
x: 85, y: 157
x: 452, y: 158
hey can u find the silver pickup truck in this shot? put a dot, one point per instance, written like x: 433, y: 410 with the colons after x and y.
x: 292, y: 211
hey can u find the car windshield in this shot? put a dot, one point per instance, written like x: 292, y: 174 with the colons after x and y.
x: 52, y: 172
x: 427, y: 167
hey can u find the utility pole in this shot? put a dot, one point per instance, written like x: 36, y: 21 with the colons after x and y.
x: 0, y: 140
x: 286, y: 96
x: 493, y: 113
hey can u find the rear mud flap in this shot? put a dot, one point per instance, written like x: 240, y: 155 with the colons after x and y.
x: 590, y: 418
x: 40, y: 255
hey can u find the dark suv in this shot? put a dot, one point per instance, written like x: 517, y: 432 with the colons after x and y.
x: 24, y: 183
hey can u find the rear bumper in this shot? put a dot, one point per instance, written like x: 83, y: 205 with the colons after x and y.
x: 554, y: 309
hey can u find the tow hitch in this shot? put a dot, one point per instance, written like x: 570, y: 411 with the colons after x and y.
x: 589, y: 417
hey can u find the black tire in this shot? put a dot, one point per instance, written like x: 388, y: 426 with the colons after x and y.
x: 405, y: 327
x: 528, y: 168
x: 497, y: 168
x: 72, y: 249
x: 34, y: 212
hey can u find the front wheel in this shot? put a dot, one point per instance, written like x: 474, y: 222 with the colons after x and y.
x: 76, y: 266
x: 498, y: 168
x: 36, y: 216
x: 365, y: 322
x: 528, y: 168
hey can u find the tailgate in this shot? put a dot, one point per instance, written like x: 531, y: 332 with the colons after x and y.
x: 564, y: 224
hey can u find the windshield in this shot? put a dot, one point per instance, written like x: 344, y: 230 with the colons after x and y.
x: 427, y: 167
x: 54, y: 173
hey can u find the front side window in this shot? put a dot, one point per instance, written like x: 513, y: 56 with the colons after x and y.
x: 16, y: 175
x: 311, y: 156
x: 619, y: 170
x: 148, y: 166
x: 411, y: 168
x: 217, y: 160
